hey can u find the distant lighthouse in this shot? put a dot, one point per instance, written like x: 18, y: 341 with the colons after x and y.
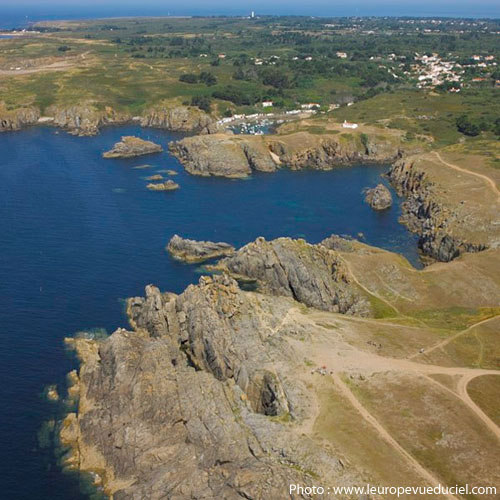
x: 252, y: 15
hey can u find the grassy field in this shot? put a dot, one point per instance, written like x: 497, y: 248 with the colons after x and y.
x: 131, y: 65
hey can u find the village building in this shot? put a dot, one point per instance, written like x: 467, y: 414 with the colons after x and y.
x: 346, y: 124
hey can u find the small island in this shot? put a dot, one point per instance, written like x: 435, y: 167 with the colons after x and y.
x: 197, y: 251
x: 379, y: 197
x: 163, y: 186
x: 131, y: 146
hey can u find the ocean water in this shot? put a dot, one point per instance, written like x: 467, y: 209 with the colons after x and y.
x: 79, y: 234
x: 15, y: 14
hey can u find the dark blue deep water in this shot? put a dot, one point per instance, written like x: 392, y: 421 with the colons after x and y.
x: 79, y: 234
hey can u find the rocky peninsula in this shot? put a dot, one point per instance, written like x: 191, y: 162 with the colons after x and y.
x: 197, y: 251
x: 86, y: 119
x: 130, y: 147
x: 221, y: 393
x: 237, y: 156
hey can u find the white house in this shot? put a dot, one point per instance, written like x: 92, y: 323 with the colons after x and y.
x: 342, y: 55
x: 267, y: 104
x: 346, y: 124
x: 310, y: 105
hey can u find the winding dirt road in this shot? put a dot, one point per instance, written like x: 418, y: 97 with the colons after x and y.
x: 485, y: 178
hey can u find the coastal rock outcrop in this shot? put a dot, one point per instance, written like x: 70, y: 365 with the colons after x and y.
x: 84, y: 119
x: 130, y: 147
x: 11, y: 120
x: 163, y: 186
x: 197, y: 251
x: 311, y: 274
x: 379, y: 197
x: 447, y: 225
x: 188, y: 404
x: 177, y: 119
x: 238, y: 155
x: 222, y: 155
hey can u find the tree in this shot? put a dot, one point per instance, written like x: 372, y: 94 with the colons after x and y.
x: 203, y: 102
x: 188, y: 78
x: 208, y: 78
x: 466, y: 127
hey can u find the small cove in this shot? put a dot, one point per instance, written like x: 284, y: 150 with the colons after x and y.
x: 80, y: 234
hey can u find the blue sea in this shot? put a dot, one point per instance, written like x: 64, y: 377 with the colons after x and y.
x: 15, y: 14
x: 79, y: 234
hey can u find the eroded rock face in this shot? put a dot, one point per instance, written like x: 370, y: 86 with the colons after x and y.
x: 84, y: 119
x: 312, y: 274
x: 222, y: 155
x: 130, y: 147
x: 237, y: 156
x: 441, y: 235
x: 181, y: 407
x: 11, y: 120
x: 379, y: 197
x: 177, y: 119
x: 197, y: 251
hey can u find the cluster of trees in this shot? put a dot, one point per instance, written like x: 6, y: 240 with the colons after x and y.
x: 203, y: 102
x: 237, y: 95
x: 209, y: 79
x: 473, y: 128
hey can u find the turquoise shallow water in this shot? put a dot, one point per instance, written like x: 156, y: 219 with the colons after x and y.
x: 79, y: 234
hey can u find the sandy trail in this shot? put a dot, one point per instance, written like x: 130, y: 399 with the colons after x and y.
x: 424, y: 473
x: 485, y: 178
x: 339, y: 357
x: 445, y: 342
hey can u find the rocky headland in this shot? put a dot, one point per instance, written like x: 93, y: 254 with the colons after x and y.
x: 213, y: 393
x: 130, y: 147
x: 197, y: 251
x: 379, y: 197
x: 86, y: 119
x: 449, y: 221
x: 237, y: 156
x: 193, y: 403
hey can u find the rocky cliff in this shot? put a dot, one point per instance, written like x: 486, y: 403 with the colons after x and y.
x: 86, y: 118
x: 177, y: 118
x: 194, y: 403
x: 18, y: 118
x: 238, y: 155
x: 311, y: 274
x: 447, y: 226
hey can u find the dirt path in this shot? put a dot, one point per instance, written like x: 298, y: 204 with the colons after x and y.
x: 464, y: 396
x: 441, y: 344
x: 369, y: 292
x: 414, y: 464
x: 470, y: 172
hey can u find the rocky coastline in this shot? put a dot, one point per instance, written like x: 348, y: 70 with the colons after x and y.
x: 237, y: 156
x: 201, y: 391
x: 444, y: 232
x: 87, y: 119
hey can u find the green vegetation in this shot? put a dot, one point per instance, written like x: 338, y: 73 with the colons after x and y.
x: 230, y: 65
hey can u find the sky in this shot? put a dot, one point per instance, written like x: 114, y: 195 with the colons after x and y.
x: 450, y: 8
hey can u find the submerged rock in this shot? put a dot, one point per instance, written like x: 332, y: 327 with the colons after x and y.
x: 197, y: 251
x: 163, y: 186
x: 379, y: 197
x: 130, y: 147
